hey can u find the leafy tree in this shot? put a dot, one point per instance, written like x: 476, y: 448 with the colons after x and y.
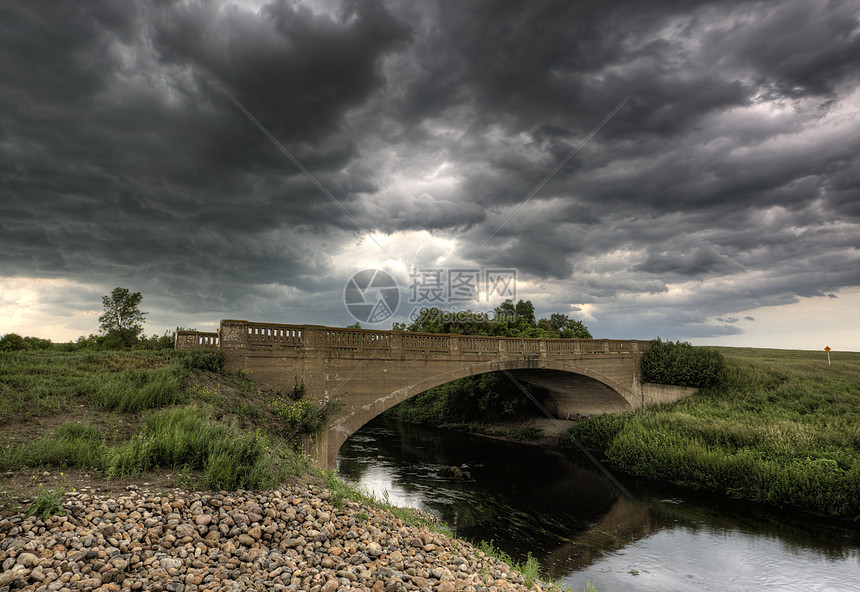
x: 121, y: 322
x: 679, y: 363
x: 565, y: 327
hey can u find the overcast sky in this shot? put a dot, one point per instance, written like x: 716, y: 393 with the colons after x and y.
x: 675, y: 168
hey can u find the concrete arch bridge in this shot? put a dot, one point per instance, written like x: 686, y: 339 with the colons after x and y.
x: 370, y: 371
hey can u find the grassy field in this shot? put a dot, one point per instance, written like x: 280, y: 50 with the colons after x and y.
x: 783, y: 428
x: 125, y: 413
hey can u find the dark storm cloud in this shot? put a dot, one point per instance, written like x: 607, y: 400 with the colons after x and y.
x: 729, y: 174
x: 122, y: 158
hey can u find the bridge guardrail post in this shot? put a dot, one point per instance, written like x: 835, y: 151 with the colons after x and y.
x: 453, y: 344
x: 234, y: 334
x: 396, y: 344
x: 313, y: 337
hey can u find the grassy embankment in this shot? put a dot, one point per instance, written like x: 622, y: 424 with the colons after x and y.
x: 126, y: 413
x: 783, y: 428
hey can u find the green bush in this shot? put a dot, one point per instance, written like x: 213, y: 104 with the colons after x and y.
x: 681, y: 364
x: 14, y: 342
x: 203, y: 359
x: 303, y: 416
x: 47, y: 503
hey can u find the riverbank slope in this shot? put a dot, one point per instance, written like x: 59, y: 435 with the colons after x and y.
x: 783, y: 429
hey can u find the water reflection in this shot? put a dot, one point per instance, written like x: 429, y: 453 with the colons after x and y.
x: 557, y: 506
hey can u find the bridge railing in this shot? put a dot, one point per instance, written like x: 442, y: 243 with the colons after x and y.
x: 244, y: 334
x: 347, y: 339
x: 269, y: 335
x: 425, y: 342
x: 195, y: 340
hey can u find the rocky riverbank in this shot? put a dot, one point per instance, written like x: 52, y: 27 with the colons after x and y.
x: 293, y: 538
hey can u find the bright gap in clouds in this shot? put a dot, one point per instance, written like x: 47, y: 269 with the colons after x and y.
x: 809, y: 324
x: 47, y: 308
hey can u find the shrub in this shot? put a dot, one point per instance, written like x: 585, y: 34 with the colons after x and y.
x: 303, y: 416
x: 14, y: 342
x: 681, y: 364
x: 203, y: 359
x: 47, y: 503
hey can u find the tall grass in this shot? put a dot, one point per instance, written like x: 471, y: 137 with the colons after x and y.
x: 45, y: 382
x: 173, y: 434
x: 133, y: 391
x: 530, y: 568
x: 188, y: 437
x: 784, y: 429
x: 72, y: 444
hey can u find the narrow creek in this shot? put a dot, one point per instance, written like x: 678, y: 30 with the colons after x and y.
x: 555, y: 504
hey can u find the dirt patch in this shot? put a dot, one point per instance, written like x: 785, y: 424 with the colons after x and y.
x: 115, y: 427
x: 19, y: 488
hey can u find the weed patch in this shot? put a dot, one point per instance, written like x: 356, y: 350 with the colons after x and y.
x: 133, y: 391
x: 47, y: 503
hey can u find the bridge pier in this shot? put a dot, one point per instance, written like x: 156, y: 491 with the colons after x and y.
x: 370, y: 371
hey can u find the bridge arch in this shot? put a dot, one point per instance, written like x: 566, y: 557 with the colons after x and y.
x: 564, y: 381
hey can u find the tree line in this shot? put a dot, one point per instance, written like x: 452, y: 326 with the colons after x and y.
x: 120, y: 327
x: 508, y: 320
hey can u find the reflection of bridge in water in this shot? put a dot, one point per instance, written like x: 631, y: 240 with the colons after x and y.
x: 370, y: 371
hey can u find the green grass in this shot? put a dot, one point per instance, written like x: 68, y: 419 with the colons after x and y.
x: 72, y: 444
x: 46, y: 382
x: 133, y: 391
x: 530, y: 568
x: 177, y: 427
x: 189, y: 438
x: 783, y: 429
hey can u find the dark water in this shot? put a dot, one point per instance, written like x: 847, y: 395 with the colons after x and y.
x: 558, y: 506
